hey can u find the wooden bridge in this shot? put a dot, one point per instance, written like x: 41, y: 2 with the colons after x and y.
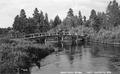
x: 56, y: 37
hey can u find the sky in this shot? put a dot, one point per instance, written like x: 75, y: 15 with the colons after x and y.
x: 10, y: 8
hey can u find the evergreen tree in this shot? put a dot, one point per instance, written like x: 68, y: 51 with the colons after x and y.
x: 57, y: 21
x: 42, y: 18
x: 80, y: 18
x: 20, y: 22
x: 70, y: 13
x: 51, y: 23
x: 41, y: 23
x: 16, y: 23
x: 93, y: 15
x: 22, y: 13
x: 97, y: 23
x: 36, y: 15
x: 31, y: 27
x: 46, y: 21
x: 80, y: 15
x: 103, y: 18
x: 113, y: 13
x: 84, y: 19
x: 71, y: 20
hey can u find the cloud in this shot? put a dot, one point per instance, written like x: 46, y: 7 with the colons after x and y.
x: 10, y: 8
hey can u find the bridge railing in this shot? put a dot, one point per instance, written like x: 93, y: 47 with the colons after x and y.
x: 67, y: 33
x: 31, y: 35
x: 34, y: 35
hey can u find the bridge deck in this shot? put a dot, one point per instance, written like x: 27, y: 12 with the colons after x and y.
x: 54, y: 36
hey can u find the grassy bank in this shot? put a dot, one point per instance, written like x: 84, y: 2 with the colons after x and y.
x: 16, y: 56
x: 111, y: 36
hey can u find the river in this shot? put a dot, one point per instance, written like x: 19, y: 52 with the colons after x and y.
x: 89, y: 57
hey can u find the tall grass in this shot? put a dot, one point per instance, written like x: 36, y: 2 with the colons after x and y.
x: 16, y: 56
x: 103, y: 35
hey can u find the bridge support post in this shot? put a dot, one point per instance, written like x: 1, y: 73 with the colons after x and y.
x: 73, y: 40
x: 76, y: 39
x: 62, y: 45
x: 62, y: 38
x: 45, y: 41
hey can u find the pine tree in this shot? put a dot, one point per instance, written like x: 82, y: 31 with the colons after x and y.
x: 20, y: 22
x: 93, y: 15
x: 57, y: 21
x: 41, y: 22
x: 36, y: 18
x: 103, y: 19
x: 84, y: 19
x: 97, y: 23
x: 16, y: 23
x: 46, y: 21
x: 80, y: 18
x: 22, y: 13
x: 80, y: 15
x: 36, y: 15
x: 51, y: 23
x: 113, y: 13
x: 30, y: 28
x: 70, y: 13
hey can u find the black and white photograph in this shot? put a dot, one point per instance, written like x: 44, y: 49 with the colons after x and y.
x: 59, y: 36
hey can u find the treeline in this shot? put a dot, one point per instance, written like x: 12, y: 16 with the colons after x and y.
x: 101, y: 20
x: 5, y: 30
x: 105, y: 20
x: 103, y: 27
x: 38, y: 23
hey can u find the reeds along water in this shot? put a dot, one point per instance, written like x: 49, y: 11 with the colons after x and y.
x: 17, y: 57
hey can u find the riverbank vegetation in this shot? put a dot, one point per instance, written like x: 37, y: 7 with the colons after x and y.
x: 19, y: 56
x: 102, y: 27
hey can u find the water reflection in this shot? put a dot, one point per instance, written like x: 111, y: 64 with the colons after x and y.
x: 82, y: 58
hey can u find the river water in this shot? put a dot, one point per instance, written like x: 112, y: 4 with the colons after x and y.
x: 89, y: 57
